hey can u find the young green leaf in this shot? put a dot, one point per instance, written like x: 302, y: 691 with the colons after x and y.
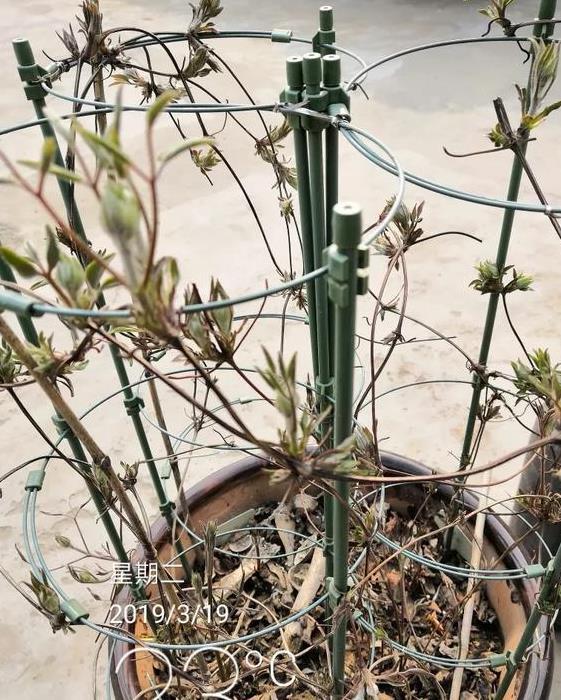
x: 46, y: 596
x: 83, y: 575
x: 186, y: 145
x: 10, y: 367
x: 21, y: 265
x: 94, y: 271
x: 70, y: 274
x: 496, y: 10
x: 47, y: 154
x: 53, y: 169
x: 203, y: 14
x: 205, y: 160
x: 120, y: 212
x: 53, y: 252
x: 222, y: 317
x: 106, y: 151
x: 159, y: 104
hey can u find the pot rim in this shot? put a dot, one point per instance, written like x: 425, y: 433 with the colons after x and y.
x: 536, y: 676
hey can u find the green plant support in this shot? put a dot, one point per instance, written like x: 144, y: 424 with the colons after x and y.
x: 325, y: 36
x: 30, y: 334
x: 347, y: 264
x: 547, y: 603
x: 546, y: 11
x: 31, y: 74
x: 337, y: 108
x: 293, y: 95
x: 315, y: 80
x: 316, y: 98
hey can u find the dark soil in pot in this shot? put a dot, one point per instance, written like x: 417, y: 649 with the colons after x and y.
x: 411, y: 604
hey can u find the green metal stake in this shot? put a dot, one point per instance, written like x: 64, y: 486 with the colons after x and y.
x: 317, y: 99
x: 338, y: 107
x: 546, y: 11
x: 293, y: 95
x: 30, y: 73
x: 331, y: 80
x: 331, y: 65
x: 99, y: 501
x: 26, y: 324
x: 31, y: 335
x: 133, y: 404
x: 347, y: 277
x: 546, y: 604
x: 325, y: 36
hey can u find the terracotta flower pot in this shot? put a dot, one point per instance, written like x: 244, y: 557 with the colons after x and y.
x: 529, y: 483
x: 243, y: 486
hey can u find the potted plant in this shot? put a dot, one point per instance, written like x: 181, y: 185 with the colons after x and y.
x: 319, y: 565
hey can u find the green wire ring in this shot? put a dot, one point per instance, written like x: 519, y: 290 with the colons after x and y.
x: 430, y: 184
x: 36, y: 309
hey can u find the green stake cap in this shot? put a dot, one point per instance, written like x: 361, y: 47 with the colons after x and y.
x: 347, y: 224
x: 326, y: 18
x: 23, y: 51
x: 331, y: 70
x: 294, y: 75
x: 312, y: 69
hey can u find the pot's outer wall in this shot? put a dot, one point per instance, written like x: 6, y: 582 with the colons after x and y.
x: 529, y: 482
x: 244, y: 485
x: 536, y: 681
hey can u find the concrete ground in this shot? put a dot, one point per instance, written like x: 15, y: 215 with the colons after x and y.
x: 416, y: 106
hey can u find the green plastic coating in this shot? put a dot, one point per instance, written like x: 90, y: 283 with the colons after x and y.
x: 26, y: 324
x: 547, y: 603
x: 35, y: 480
x: 17, y: 303
x: 74, y: 610
x: 326, y: 18
x: 547, y: 8
x: 331, y: 70
x: 343, y: 262
x: 24, y: 56
x: 547, y: 11
x: 294, y: 72
x: 312, y: 72
x: 23, y: 52
x: 346, y: 225
x: 281, y: 36
x: 331, y: 197
x: 302, y: 170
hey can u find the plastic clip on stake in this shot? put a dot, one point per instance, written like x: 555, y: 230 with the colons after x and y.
x: 29, y: 72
